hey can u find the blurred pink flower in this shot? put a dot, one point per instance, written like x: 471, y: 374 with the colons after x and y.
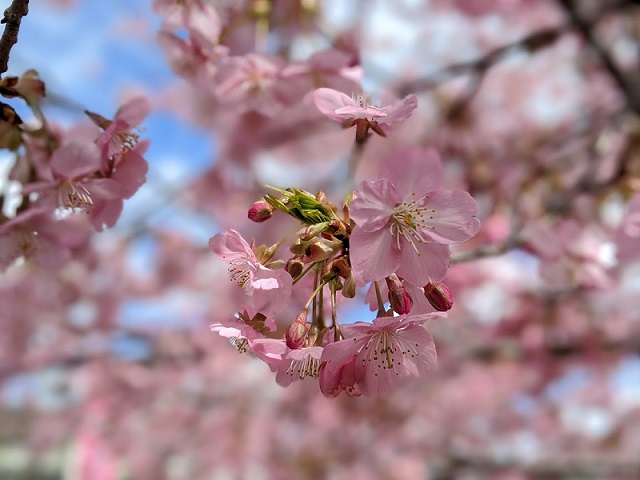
x: 357, y: 110
x: 74, y: 167
x: 38, y: 237
x: 407, y: 207
x: 119, y: 134
x: 385, y: 352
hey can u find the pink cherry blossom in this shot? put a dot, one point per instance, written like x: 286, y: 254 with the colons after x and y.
x: 37, y: 237
x: 119, y: 134
x: 385, y: 351
x: 405, y: 221
x: 358, y: 110
x: 75, y: 184
x: 570, y: 254
x: 268, y: 290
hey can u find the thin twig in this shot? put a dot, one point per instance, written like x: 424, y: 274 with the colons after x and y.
x: 12, y: 18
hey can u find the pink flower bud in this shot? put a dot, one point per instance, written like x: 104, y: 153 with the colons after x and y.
x: 399, y: 298
x: 260, y: 211
x: 438, y: 295
x: 297, y: 331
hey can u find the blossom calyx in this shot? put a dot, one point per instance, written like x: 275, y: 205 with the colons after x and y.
x: 323, y: 249
x: 349, y: 287
x: 264, y: 253
x: 294, y: 266
x: 439, y: 296
x: 338, y: 267
x: 399, y: 297
x: 297, y: 332
x: 260, y: 211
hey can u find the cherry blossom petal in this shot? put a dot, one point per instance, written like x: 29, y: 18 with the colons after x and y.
x: 230, y: 246
x: 76, y: 159
x: 374, y: 255
x: 373, y: 204
x: 413, y: 169
x: 453, y: 214
x: 400, y: 110
x: 328, y: 101
x: 431, y: 264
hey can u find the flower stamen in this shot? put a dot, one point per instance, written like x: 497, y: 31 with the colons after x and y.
x: 308, y: 366
x: 407, y: 220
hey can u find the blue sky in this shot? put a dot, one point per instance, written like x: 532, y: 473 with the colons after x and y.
x: 92, y: 53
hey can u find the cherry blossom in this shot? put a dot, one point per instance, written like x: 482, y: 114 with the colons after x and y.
x: 267, y: 290
x: 359, y: 111
x: 75, y: 184
x: 385, y: 351
x: 405, y: 221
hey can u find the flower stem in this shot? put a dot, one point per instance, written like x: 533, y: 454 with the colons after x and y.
x: 381, y: 310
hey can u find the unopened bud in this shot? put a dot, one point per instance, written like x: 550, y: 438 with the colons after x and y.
x: 399, y: 297
x: 297, y: 331
x: 294, y: 266
x: 260, y: 211
x: 438, y: 295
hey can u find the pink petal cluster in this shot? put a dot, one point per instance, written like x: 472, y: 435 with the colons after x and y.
x: 375, y: 357
x: 405, y: 221
x: 93, y: 173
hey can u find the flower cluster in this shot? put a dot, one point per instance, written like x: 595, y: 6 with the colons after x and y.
x: 394, y: 234
x: 69, y: 182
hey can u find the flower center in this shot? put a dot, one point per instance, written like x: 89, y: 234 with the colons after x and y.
x: 127, y: 140
x: 240, y: 271
x: 240, y: 344
x: 308, y: 366
x: 386, y: 351
x: 408, y: 219
x: 73, y: 195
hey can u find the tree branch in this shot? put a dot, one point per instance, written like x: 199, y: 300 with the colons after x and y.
x: 12, y: 18
x: 629, y: 87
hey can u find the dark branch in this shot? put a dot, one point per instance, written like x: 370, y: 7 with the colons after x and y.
x: 629, y: 87
x: 12, y: 18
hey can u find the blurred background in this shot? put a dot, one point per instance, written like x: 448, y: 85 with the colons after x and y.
x: 108, y: 370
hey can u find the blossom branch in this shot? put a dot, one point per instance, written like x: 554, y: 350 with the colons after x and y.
x: 12, y: 18
x: 485, y: 251
x: 629, y: 87
x: 532, y: 43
